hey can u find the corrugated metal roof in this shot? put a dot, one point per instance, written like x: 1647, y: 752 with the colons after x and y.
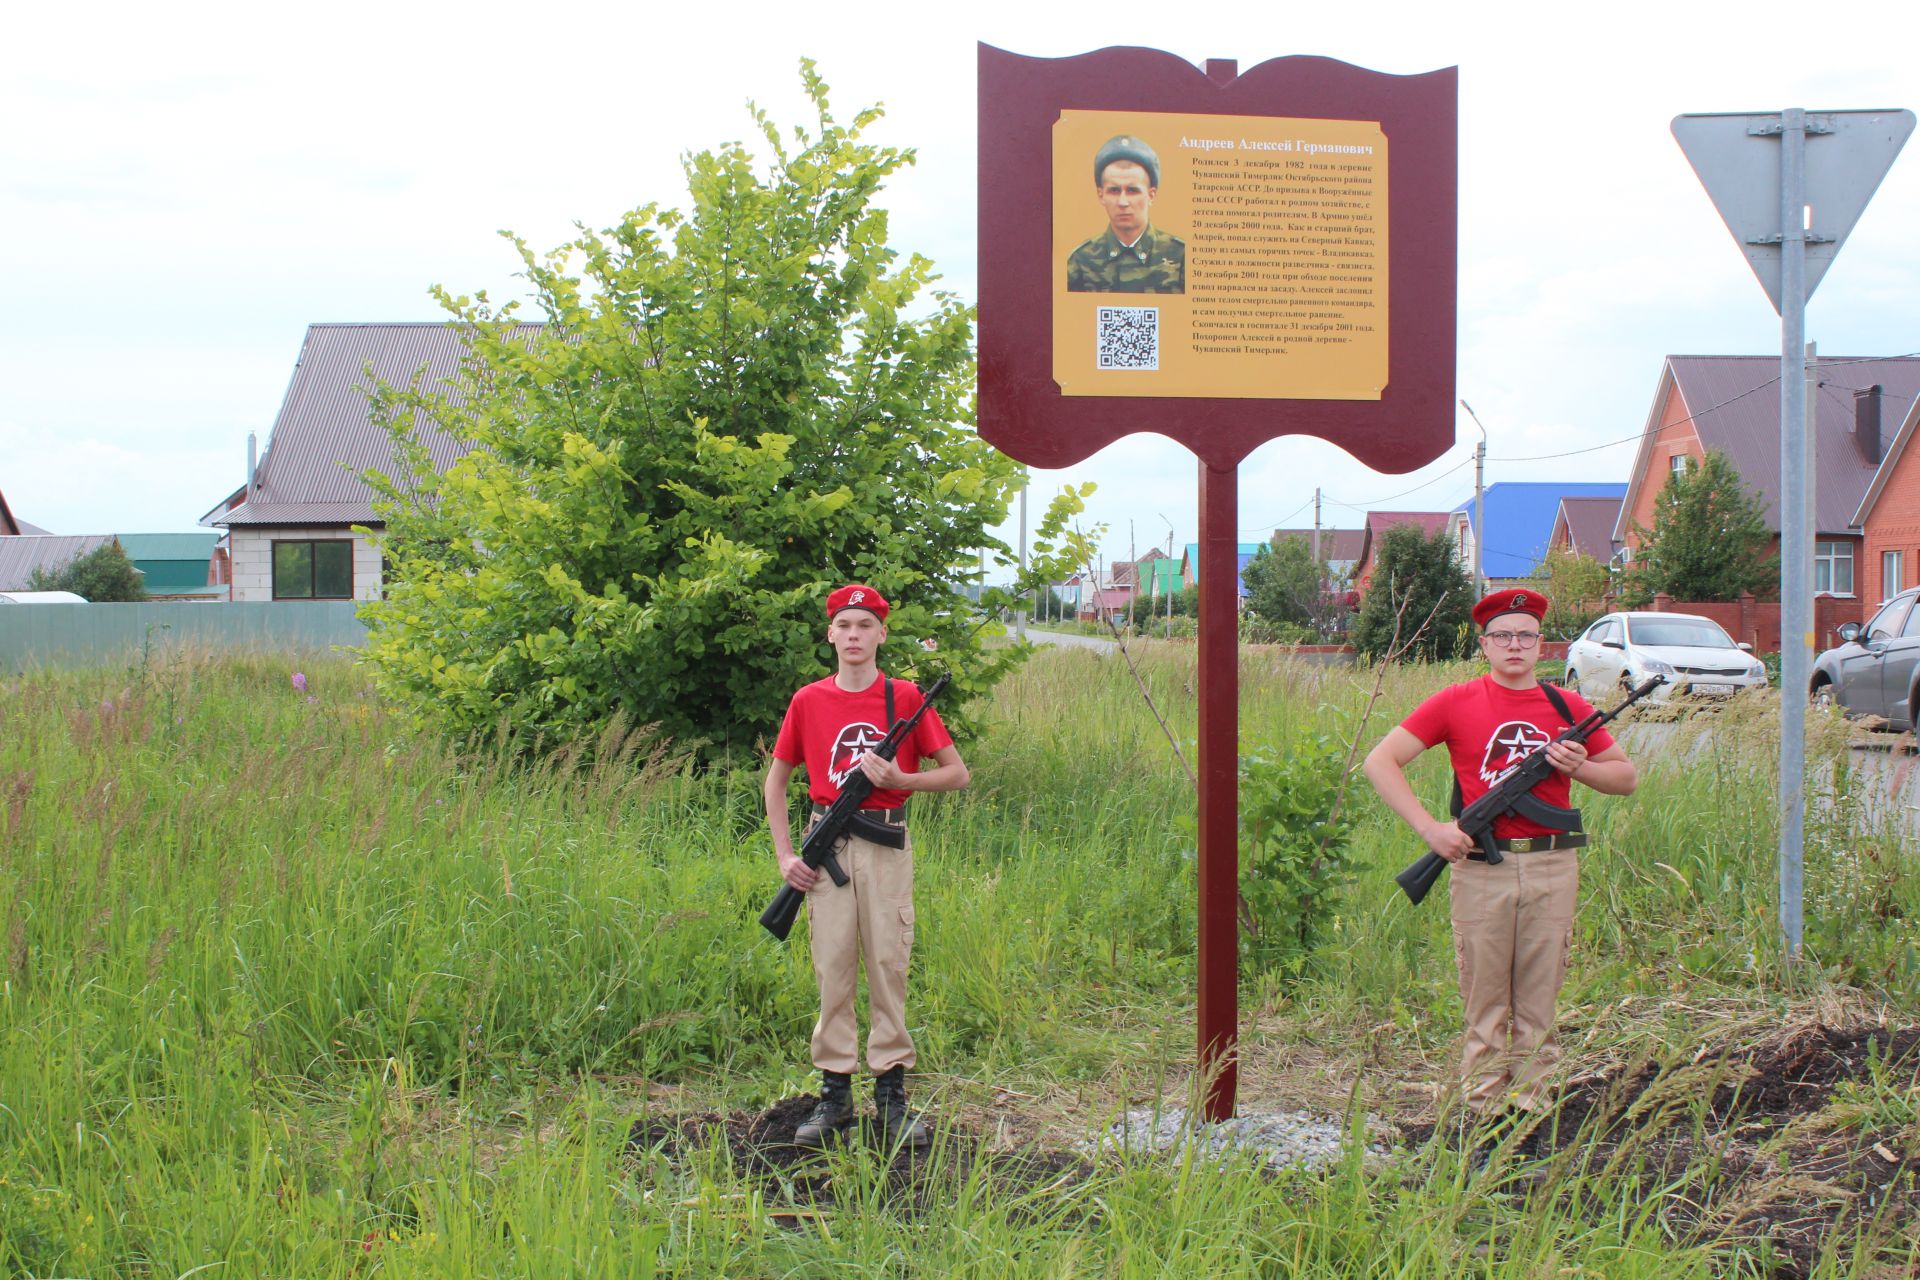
x: 1735, y: 404
x: 1590, y: 524
x: 20, y: 555
x: 168, y: 546
x: 1335, y: 544
x: 323, y: 438
x: 1520, y: 516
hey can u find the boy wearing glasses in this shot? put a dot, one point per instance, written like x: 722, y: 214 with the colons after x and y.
x: 1512, y: 922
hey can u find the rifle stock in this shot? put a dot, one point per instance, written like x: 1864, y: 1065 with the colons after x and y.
x: 1477, y: 818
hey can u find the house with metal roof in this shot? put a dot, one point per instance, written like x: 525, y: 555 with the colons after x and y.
x: 290, y: 526
x: 175, y: 566
x: 1340, y: 548
x: 1732, y: 404
x: 1584, y: 526
x: 1378, y: 522
x: 22, y: 554
x: 1889, y: 516
x: 1520, y: 517
x: 1190, y: 564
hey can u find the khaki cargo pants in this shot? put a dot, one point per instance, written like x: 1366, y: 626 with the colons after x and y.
x: 1512, y: 925
x: 869, y: 917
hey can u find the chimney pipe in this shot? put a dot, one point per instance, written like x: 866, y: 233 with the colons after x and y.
x: 253, y: 463
x: 1866, y: 423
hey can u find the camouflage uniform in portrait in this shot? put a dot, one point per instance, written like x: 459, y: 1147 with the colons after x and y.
x: 1156, y: 263
x: 1126, y: 180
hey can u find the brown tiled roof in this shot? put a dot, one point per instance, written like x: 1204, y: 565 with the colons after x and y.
x: 1335, y: 544
x: 20, y: 556
x: 323, y: 438
x: 1590, y: 524
x: 1734, y: 402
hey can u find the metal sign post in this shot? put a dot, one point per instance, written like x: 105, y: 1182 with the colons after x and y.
x: 1298, y: 279
x: 1790, y: 208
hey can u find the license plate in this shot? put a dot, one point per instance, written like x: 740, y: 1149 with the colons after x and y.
x: 1722, y: 690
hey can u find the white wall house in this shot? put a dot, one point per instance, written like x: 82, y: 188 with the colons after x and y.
x: 290, y: 527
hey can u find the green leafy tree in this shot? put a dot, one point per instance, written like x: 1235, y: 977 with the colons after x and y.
x: 1284, y: 582
x: 1294, y: 594
x: 103, y: 575
x: 1709, y: 540
x: 1423, y: 573
x: 1575, y: 586
x: 726, y: 412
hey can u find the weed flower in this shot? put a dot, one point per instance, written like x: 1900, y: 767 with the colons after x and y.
x: 300, y: 681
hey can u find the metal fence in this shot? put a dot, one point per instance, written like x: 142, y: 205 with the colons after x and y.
x: 89, y: 635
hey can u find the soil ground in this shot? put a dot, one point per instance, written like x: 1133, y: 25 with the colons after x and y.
x: 1810, y: 1131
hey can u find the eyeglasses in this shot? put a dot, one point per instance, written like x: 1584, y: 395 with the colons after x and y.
x: 1513, y: 639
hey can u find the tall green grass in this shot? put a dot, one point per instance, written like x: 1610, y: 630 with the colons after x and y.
x: 291, y: 987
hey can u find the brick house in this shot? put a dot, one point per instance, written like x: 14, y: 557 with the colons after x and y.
x: 1378, y: 522
x: 1732, y: 404
x: 1889, y: 516
x: 1584, y: 526
x: 290, y: 527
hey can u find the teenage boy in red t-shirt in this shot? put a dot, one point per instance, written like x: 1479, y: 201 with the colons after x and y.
x: 829, y: 729
x: 1512, y: 922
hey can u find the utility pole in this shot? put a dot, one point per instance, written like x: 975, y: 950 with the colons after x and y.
x: 1316, y: 524
x: 1019, y: 613
x: 1479, y: 505
x: 1170, y: 586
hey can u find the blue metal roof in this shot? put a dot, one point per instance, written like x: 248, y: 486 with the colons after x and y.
x: 1245, y: 551
x: 1519, y: 515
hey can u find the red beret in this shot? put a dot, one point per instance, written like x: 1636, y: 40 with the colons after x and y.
x: 1511, y: 600
x: 856, y: 595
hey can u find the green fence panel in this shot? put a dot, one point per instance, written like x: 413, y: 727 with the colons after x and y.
x: 88, y: 635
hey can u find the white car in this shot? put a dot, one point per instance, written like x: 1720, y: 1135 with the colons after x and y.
x: 1695, y: 654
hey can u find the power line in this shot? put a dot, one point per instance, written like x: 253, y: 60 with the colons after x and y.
x: 1368, y: 506
x: 1275, y: 524
x: 1818, y: 366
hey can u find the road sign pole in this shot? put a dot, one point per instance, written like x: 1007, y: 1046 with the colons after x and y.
x: 1796, y: 521
x: 1219, y: 800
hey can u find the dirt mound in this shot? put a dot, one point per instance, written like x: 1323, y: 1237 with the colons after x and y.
x: 1800, y: 1150
x: 760, y: 1147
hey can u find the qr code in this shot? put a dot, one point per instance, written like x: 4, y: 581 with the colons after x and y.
x: 1129, y: 338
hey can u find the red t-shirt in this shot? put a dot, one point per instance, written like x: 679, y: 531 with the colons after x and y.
x: 1489, y: 729
x: 827, y: 729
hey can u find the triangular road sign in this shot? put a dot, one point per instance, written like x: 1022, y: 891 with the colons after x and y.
x: 1738, y: 159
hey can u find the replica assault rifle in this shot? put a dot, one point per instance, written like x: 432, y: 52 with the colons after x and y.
x: 1514, y: 794
x: 821, y: 844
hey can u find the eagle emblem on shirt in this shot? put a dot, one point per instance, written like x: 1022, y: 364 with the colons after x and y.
x: 854, y: 741
x: 1511, y: 743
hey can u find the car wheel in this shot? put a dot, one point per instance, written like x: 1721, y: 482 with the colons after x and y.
x: 1571, y: 680
x: 1822, y: 695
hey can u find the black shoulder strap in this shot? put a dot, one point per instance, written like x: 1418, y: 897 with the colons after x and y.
x: 886, y: 685
x: 1559, y: 701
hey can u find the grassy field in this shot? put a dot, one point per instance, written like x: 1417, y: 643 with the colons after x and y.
x: 289, y: 988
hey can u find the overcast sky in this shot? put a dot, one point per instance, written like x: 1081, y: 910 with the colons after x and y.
x: 184, y: 188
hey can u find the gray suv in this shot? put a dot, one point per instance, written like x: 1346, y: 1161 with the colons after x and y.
x: 1874, y: 669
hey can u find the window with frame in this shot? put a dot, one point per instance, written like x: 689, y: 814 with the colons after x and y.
x: 1890, y: 583
x: 1677, y: 464
x: 1833, y: 568
x: 321, y: 569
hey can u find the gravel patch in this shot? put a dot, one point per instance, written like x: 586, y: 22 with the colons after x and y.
x: 1280, y: 1139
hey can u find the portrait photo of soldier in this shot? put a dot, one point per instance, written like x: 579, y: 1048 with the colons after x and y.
x: 1131, y: 255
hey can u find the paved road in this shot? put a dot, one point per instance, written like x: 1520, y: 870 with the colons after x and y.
x: 1072, y: 640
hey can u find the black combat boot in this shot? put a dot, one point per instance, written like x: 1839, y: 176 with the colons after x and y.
x: 894, y: 1125
x: 832, y: 1116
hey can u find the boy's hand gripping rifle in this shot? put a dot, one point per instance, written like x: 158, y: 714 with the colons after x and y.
x: 1514, y: 794
x: 821, y: 844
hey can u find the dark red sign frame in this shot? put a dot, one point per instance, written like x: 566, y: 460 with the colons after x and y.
x: 1022, y: 412
x: 1021, y: 409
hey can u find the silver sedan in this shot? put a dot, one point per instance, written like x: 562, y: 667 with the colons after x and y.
x: 1875, y: 668
x: 1695, y: 654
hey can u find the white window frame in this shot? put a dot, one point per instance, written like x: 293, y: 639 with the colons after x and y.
x: 1828, y: 560
x: 1890, y: 583
x: 1677, y: 464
